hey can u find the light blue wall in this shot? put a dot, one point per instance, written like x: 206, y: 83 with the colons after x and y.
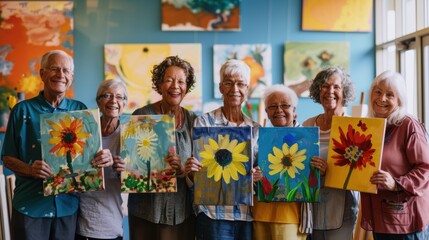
x: 262, y: 21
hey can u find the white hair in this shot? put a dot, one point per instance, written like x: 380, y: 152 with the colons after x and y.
x: 234, y: 67
x: 279, y: 88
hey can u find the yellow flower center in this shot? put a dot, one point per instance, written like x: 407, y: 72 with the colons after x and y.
x: 146, y: 142
x: 353, y: 153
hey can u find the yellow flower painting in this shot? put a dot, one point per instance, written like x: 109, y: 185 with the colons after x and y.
x: 69, y: 142
x: 284, y: 157
x: 226, y: 156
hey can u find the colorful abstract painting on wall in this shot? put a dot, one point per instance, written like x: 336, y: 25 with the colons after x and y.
x: 284, y: 157
x: 146, y: 140
x: 256, y: 56
x: 200, y: 15
x: 355, y: 151
x: 28, y: 29
x: 337, y: 15
x: 303, y: 60
x: 69, y: 142
x: 132, y: 63
x: 226, y: 155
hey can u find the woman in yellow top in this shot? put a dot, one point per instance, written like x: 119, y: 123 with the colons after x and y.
x: 280, y: 220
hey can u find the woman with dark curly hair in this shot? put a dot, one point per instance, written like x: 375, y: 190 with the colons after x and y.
x: 168, y: 215
x: 334, y: 217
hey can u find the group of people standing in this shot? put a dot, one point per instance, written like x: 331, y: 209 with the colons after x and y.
x: 399, y: 210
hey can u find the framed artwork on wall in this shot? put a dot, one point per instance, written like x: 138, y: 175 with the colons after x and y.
x: 303, y: 60
x: 200, y: 15
x: 256, y: 56
x: 132, y: 63
x: 28, y: 29
x: 337, y: 15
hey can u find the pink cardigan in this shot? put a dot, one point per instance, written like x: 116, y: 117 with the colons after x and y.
x: 406, y: 158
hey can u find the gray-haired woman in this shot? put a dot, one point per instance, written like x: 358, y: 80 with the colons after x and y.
x: 335, y: 216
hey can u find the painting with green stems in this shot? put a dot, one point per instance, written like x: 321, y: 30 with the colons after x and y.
x: 226, y: 156
x: 146, y: 141
x: 284, y: 157
x: 69, y: 143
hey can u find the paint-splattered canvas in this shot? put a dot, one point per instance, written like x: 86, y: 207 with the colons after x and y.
x: 355, y: 151
x: 226, y: 155
x: 337, y: 15
x: 146, y: 140
x: 132, y: 63
x: 28, y: 29
x: 303, y: 60
x: 284, y: 157
x: 200, y: 15
x: 256, y: 56
x: 69, y: 142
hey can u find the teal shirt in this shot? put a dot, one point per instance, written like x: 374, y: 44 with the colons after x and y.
x: 22, y: 140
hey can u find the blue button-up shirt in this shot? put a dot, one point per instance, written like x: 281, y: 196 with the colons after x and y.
x: 22, y: 141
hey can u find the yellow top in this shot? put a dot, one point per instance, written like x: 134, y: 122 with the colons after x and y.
x: 276, y: 212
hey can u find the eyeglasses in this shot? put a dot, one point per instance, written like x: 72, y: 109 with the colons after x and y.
x: 110, y: 96
x: 230, y: 84
x: 282, y: 106
x: 57, y: 70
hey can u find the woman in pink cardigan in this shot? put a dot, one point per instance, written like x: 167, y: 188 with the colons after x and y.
x: 400, y: 209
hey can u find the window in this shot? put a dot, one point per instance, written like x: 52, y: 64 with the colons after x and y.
x: 402, y: 45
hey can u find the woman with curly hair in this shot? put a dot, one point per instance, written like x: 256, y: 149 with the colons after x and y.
x: 334, y: 217
x: 168, y: 215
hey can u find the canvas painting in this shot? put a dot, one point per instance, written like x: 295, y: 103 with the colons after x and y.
x: 337, y: 15
x: 355, y: 152
x: 132, y: 63
x: 303, y: 60
x: 146, y: 140
x: 200, y: 15
x: 256, y: 56
x: 69, y: 142
x: 226, y: 155
x: 28, y: 29
x: 284, y: 157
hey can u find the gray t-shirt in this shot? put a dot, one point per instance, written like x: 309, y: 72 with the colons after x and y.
x: 100, y: 212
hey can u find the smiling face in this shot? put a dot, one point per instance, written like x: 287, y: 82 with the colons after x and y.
x: 173, y: 87
x: 114, y: 106
x: 279, y: 110
x: 384, y: 100
x: 234, y: 91
x: 331, y: 93
x: 57, y: 76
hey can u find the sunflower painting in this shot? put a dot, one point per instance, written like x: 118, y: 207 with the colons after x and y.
x: 69, y: 142
x: 355, y: 151
x: 226, y: 155
x: 284, y: 157
x: 146, y: 140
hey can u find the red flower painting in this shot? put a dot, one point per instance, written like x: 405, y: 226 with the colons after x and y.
x: 354, y: 149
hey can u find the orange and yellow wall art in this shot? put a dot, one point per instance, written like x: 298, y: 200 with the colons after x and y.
x: 132, y: 63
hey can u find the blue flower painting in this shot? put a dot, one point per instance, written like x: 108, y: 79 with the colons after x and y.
x: 284, y: 158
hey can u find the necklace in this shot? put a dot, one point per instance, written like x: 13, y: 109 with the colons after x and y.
x: 178, y: 115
